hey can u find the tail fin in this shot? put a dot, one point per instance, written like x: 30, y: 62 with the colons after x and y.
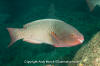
x: 14, y: 35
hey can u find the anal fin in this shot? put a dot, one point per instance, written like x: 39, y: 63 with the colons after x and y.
x: 32, y: 41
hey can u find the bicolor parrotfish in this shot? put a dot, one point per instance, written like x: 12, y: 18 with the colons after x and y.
x: 50, y: 31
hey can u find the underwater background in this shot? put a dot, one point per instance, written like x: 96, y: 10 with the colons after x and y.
x: 16, y: 13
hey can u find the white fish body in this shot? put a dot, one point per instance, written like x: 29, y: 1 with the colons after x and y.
x: 50, y: 31
x: 93, y: 3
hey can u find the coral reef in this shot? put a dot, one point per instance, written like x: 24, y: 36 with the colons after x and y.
x: 89, y: 55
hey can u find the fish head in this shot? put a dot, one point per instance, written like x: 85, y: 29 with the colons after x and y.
x: 74, y: 39
x: 71, y: 39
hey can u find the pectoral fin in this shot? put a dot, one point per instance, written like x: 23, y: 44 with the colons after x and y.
x: 56, y: 38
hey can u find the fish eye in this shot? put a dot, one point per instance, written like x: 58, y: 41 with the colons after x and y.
x: 72, y: 35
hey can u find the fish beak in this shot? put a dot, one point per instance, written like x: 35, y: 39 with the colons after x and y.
x: 81, y: 41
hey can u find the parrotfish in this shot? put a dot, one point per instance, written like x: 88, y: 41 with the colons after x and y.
x: 50, y: 31
x: 93, y: 3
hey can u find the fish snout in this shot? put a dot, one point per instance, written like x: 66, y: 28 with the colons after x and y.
x: 81, y: 40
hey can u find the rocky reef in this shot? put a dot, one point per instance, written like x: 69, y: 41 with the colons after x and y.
x: 89, y: 54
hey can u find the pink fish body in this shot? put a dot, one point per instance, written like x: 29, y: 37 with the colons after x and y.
x: 51, y: 31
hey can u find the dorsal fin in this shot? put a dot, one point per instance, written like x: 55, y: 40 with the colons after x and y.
x: 28, y: 24
x: 31, y: 23
x: 40, y: 21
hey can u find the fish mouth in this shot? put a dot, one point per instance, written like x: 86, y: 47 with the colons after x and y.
x: 81, y: 41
